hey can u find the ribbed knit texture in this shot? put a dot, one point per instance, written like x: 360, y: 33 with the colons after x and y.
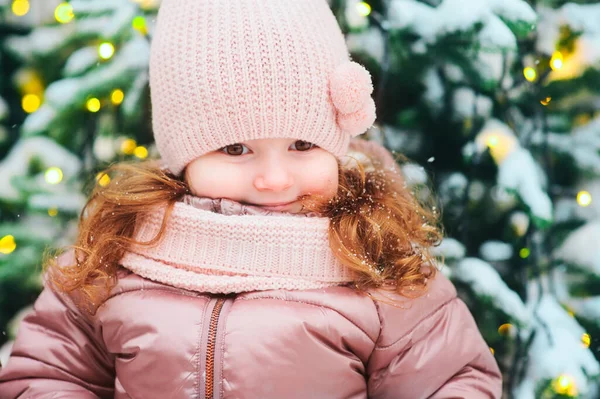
x: 227, y: 71
x: 254, y: 250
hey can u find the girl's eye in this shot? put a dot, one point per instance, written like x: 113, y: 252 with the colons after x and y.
x: 235, y: 149
x: 303, y: 145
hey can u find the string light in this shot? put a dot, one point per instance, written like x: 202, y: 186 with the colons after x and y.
x: 505, y: 329
x: 546, y: 101
x: 145, y: 4
x: 20, y: 7
x: 52, y: 212
x: 7, y: 244
x: 573, y: 63
x: 102, y: 179
x: 29, y: 81
x: 128, y: 146
x: 63, y: 13
x: 565, y: 385
x: 500, y: 145
x: 584, y: 198
x: 556, y: 62
x: 586, y: 340
x: 117, y: 96
x: 520, y: 223
x: 31, y: 103
x: 93, y: 104
x: 140, y: 152
x: 363, y: 8
x: 139, y: 24
x: 53, y: 175
x: 524, y: 253
x: 493, y: 351
x: 581, y: 119
x: 530, y: 74
x: 106, y: 50
x: 31, y: 87
x: 492, y: 141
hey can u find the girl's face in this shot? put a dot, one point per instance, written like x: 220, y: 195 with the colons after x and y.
x: 271, y: 173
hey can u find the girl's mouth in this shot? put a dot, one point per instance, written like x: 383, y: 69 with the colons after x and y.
x: 282, y: 206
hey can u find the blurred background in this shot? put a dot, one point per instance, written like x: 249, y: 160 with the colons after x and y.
x: 495, y: 102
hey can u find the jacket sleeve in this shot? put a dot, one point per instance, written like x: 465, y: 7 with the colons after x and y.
x: 431, y: 348
x: 57, y: 354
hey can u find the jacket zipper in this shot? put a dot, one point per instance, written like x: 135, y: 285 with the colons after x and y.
x: 210, y: 352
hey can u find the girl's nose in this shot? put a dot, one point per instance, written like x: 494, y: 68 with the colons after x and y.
x: 273, y: 177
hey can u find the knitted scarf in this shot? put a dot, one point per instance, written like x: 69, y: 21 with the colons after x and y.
x: 222, y: 246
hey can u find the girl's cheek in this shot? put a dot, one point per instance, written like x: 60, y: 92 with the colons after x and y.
x: 215, y: 181
x: 322, y: 177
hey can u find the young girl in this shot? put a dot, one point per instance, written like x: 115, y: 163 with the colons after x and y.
x: 257, y: 260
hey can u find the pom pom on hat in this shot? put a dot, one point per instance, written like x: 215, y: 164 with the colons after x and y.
x: 350, y: 87
x: 358, y: 122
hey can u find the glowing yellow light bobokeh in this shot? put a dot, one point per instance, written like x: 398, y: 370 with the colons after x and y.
x: 524, y: 253
x: 565, y: 385
x: 584, y: 198
x: 53, y: 175
x: 106, y: 50
x: 20, y: 7
x: 145, y: 4
x: 140, y: 152
x: 505, y: 328
x: 63, y: 13
x: 7, y: 244
x: 93, y: 104
x: 582, y: 119
x: 556, y: 62
x: 546, y: 101
x: 363, y: 8
x: 128, y: 146
x: 31, y: 103
x: 139, y: 24
x: 29, y: 81
x: 492, y: 141
x: 117, y: 96
x: 575, y: 62
x: 530, y: 74
x: 500, y: 145
x: 492, y: 350
x: 586, y: 340
x: 52, y: 212
x: 102, y: 179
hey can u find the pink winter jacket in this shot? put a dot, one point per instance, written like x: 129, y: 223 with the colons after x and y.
x: 157, y: 340
x: 150, y: 340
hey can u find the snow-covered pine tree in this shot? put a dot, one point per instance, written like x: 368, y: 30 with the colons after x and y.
x: 83, y: 87
x: 498, y: 101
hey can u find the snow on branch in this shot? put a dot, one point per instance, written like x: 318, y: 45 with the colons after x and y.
x: 582, y: 248
x: 557, y: 350
x: 64, y: 95
x: 485, y: 281
x: 46, y: 150
x: 451, y: 16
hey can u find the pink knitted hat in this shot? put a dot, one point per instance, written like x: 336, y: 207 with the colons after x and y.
x: 227, y: 71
